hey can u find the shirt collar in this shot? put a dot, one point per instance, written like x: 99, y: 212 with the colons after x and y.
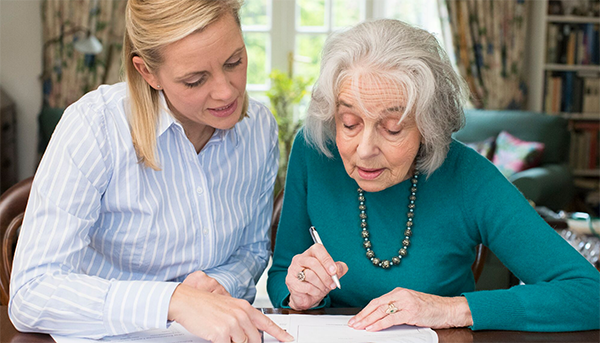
x: 166, y: 119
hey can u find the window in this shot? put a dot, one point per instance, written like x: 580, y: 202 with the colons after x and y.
x: 289, y: 34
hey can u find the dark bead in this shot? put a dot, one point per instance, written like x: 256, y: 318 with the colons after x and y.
x: 409, y: 223
x: 370, y: 254
x: 408, y: 232
x: 365, y: 233
x: 411, y: 206
x: 363, y: 216
x: 359, y: 190
x: 376, y: 261
x: 396, y: 260
x: 414, y: 180
x: 361, y: 198
x: 363, y: 225
x: 367, y: 244
x: 413, y: 189
x: 385, y: 264
x: 403, y: 252
x: 410, y: 214
x: 412, y: 197
x: 362, y: 207
x: 406, y: 242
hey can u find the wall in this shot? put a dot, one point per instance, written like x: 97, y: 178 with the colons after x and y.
x: 20, y: 68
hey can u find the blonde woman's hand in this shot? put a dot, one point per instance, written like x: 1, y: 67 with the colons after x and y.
x: 203, y: 282
x: 405, y: 306
x: 317, y: 266
x: 219, y: 318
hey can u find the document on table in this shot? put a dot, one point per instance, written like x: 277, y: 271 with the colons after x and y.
x: 174, y: 334
x: 335, y: 329
x: 305, y: 328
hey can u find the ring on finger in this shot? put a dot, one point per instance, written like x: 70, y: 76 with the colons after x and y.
x: 391, y: 309
x: 301, y: 275
x: 244, y: 341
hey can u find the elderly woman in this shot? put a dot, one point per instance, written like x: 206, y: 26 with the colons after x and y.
x: 402, y: 206
x: 154, y: 199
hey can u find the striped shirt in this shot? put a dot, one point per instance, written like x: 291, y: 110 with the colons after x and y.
x: 105, y: 240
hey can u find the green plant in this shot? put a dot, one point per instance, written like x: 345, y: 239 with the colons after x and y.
x: 285, y: 92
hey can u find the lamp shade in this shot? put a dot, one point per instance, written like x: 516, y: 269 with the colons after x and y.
x: 90, y: 45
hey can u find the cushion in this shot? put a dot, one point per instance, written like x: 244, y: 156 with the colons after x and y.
x: 484, y: 147
x: 514, y: 155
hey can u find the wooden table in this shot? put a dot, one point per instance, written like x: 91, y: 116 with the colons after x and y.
x: 8, y: 333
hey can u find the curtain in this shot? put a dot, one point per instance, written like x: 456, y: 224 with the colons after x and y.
x: 67, y: 73
x: 489, y: 43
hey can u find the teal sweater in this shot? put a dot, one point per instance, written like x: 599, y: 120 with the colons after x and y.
x: 462, y: 204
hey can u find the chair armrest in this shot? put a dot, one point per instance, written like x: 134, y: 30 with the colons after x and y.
x: 550, y: 185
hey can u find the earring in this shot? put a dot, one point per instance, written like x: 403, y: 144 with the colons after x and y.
x: 158, y: 86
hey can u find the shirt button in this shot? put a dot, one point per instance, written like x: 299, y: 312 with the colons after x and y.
x: 199, y: 190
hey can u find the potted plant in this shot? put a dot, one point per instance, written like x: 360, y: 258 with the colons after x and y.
x: 285, y: 92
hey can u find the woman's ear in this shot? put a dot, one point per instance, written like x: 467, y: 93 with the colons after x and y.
x: 141, y: 67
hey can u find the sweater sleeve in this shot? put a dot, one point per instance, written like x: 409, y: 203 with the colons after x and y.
x: 561, y: 290
x: 292, y: 235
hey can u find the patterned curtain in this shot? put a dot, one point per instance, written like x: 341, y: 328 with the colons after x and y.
x: 68, y: 73
x: 489, y: 43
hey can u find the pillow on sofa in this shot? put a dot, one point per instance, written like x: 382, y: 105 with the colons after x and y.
x: 484, y: 148
x: 514, y: 155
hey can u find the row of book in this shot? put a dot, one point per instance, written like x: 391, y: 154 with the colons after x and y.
x: 584, y: 154
x: 573, y: 92
x: 573, y: 44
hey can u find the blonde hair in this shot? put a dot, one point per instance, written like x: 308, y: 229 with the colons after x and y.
x: 388, y: 51
x: 150, y: 25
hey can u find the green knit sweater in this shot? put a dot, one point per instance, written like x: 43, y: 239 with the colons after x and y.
x: 463, y: 203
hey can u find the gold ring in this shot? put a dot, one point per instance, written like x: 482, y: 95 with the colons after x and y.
x: 244, y: 341
x: 391, y: 309
x: 301, y: 276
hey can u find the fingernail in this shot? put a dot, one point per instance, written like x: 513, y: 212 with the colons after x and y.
x: 289, y: 338
x: 351, y: 321
x: 368, y: 328
x: 332, y: 286
x: 332, y: 269
x: 357, y: 325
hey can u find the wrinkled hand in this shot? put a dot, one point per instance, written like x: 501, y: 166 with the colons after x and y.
x: 414, y: 308
x: 220, y: 319
x: 203, y: 282
x: 318, y: 266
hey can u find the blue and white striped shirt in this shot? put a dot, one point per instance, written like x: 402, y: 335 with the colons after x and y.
x: 105, y: 240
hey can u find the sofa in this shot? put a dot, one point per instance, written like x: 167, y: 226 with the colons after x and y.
x: 550, y: 183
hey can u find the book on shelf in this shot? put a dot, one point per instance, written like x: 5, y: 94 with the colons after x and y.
x: 584, y: 150
x: 591, y: 95
x: 572, y: 92
x: 573, y: 44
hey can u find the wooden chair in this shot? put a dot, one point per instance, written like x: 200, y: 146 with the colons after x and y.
x: 12, y: 209
x: 477, y: 267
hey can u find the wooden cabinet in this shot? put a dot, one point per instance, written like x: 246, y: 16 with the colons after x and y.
x: 8, y: 149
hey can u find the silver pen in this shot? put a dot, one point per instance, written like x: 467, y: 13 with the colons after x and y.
x: 315, y: 237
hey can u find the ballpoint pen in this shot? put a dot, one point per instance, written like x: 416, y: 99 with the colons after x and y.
x: 315, y: 237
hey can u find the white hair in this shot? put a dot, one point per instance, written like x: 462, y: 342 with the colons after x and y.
x: 388, y: 50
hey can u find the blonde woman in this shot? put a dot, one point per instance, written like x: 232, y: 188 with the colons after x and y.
x: 153, y: 200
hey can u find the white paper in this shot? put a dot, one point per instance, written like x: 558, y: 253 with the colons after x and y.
x: 335, y: 329
x: 304, y: 328
x: 174, y: 334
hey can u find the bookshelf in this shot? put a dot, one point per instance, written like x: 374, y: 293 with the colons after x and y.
x: 564, y: 76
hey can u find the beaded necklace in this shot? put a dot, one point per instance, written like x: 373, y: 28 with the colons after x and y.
x: 362, y: 207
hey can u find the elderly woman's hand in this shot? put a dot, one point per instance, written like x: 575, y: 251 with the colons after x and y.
x: 317, y: 267
x: 203, y: 282
x: 405, y: 306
